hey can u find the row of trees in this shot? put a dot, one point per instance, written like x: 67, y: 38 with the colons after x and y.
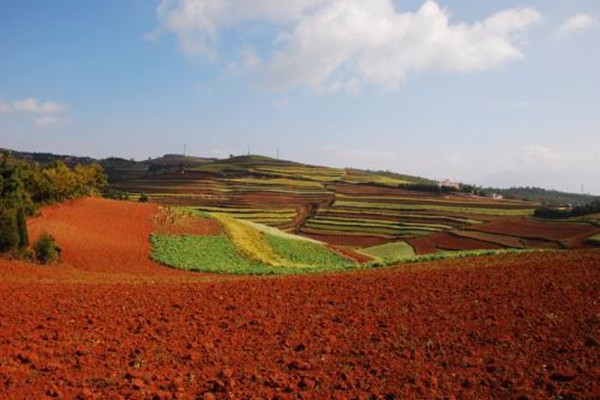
x: 25, y: 185
x: 568, y: 212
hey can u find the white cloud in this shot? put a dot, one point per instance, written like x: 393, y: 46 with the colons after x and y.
x: 332, y: 45
x: 577, y: 23
x: 197, y: 23
x: 32, y: 105
x: 47, y: 121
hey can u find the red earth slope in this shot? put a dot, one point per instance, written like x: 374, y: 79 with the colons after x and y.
x: 512, y: 326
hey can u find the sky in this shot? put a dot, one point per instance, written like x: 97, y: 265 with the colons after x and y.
x: 487, y: 92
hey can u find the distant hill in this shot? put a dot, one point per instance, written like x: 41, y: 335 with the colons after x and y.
x: 121, y: 170
x: 345, y: 206
x: 543, y: 196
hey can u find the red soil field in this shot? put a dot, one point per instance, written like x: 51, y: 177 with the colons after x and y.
x: 503, y: 327
x: 447, y: 241
x: 101, y: 235
x: 350, y: 253
x: 340, y: 239
x: 510, y: 326
x: 570, y: 234
x: 167, y: 221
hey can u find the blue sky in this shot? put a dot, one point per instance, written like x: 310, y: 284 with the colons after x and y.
x: 490, y: 92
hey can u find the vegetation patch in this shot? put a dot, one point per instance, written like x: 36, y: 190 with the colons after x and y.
x: 308, y: 253
x: 250, y: 241
x: 390, y: 251
x: 459, y: 210
x: 203, y: 253
x: 217, y: 254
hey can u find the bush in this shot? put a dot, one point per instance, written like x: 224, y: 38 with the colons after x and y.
x: 143, y: 198
x: 46, y: 250
x: 9, y: 232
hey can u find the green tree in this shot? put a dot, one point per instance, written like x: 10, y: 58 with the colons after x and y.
x: 45, y: 249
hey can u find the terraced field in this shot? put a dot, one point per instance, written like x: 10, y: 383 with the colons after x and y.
x: 354, y: 208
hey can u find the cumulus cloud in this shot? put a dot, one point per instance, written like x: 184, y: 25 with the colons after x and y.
x: 577, y: 23
x: 332, y: 45
x: 31, y: 105
x: 196, y: 23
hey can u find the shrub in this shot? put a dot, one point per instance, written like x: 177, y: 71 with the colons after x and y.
x: 46, y: 250
x: 143, y: 198
x: 22, y: 229
x: 9, y: 232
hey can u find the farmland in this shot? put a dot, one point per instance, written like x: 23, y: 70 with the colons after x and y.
x: 375, y: 290
x: 354, y: 208
x: 500, y: 326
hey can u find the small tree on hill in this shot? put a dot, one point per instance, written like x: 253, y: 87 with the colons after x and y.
x: 46, y: 250
x: 9, y: 233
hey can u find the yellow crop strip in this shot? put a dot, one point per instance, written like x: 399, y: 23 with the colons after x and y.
x: 251, y: 242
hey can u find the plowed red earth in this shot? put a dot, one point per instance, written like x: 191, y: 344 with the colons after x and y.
x: 518, y: 326
x: 571, y: 234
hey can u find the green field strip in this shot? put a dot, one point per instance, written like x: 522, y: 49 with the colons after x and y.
x: 431, y: 201
x: 233, y: 208
x: 377, y: 222
x: 336, y: 209
x: 264, y: 189
x: 326, y: 232
x: 390, y: 251
x: 306, y: 253
x: 202, y: 253
x: 275, y: 182
x: 370, y: 229
x: 417, y: 207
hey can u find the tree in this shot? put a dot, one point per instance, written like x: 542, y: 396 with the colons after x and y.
x: 13, y: 228
x: 45, y: 249
x: 9, y: 233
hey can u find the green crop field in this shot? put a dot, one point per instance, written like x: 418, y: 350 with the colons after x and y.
x: 390, y: 251
x: 307, y: 253
x: 203, y: 253
x: 218, y: 254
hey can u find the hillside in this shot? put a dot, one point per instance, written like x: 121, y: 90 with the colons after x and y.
x: 351, y: 208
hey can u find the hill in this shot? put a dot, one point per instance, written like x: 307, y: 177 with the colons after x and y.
x: 351, y: 208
